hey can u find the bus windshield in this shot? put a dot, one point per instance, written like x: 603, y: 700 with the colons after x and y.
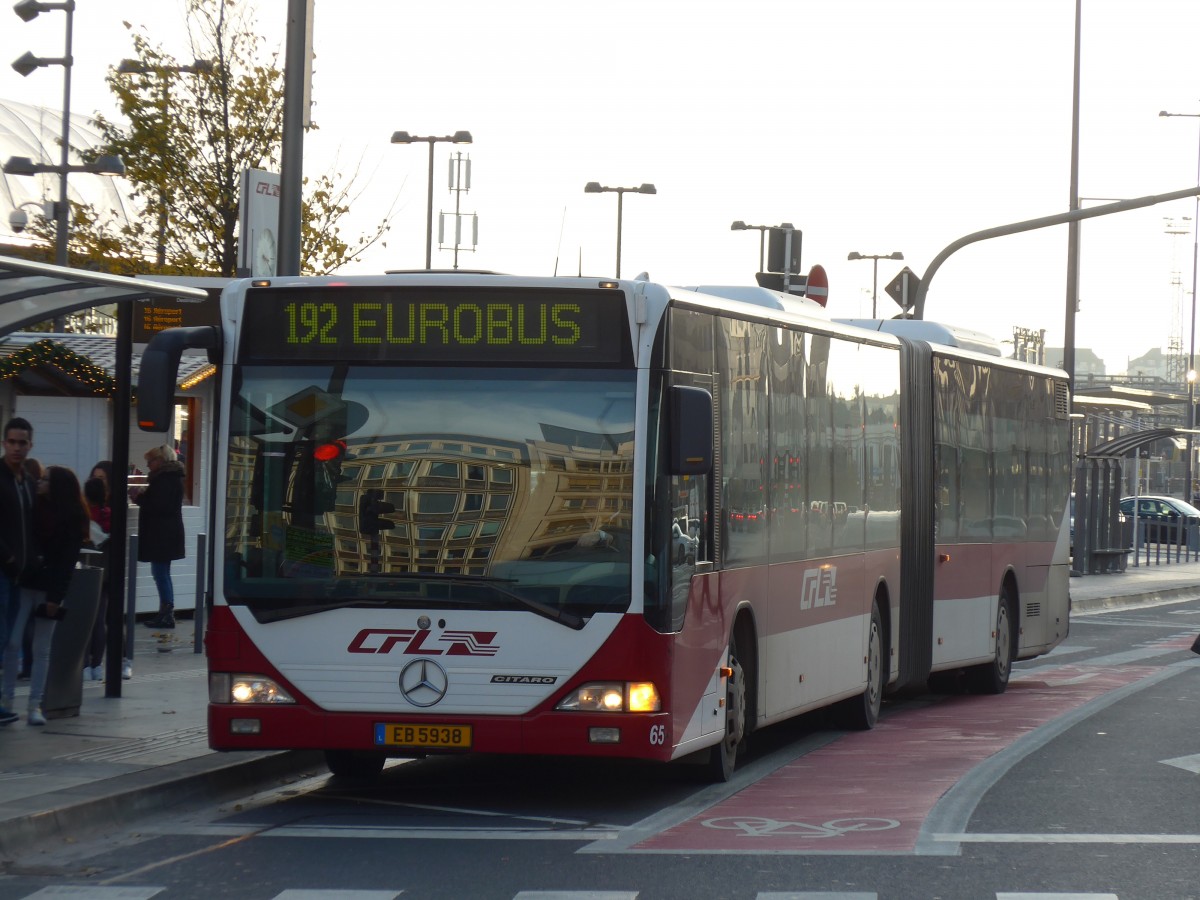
x: 418, y: 487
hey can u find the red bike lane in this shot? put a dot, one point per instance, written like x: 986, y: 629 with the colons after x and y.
x: 871, y: 791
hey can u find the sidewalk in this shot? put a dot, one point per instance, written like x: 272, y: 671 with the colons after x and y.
x: 148, y: 750
x: 124, y: 756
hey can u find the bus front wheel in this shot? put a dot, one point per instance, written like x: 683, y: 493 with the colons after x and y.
x: 723, y: 757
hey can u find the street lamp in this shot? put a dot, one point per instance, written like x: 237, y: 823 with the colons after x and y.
x: 403, y: 137
x: 137, y: 67
x: 594, y: 187
x: 1191, y: 380
x: 739, y: 226
x: 23, y: 165
x: 28, y: 10
x: 875, y: 258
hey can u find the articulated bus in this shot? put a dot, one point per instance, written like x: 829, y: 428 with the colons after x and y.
x: 468, y: 512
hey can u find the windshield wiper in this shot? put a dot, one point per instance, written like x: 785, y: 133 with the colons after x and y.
x: 570, y: 620
x: 562, y: 617
x: 297, y: 612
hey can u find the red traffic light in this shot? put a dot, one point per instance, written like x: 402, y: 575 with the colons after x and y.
x: 329, y: 452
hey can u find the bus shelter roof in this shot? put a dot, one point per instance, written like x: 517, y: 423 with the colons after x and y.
x: 34, y: 292
x: 1128, y: 442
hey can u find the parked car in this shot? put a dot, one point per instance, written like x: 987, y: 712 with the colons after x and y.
x: 684, y: 546
x: 1162, y: 518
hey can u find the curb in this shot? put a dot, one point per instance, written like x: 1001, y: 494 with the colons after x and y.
x: 115, y: 801
x: 1170, y: 595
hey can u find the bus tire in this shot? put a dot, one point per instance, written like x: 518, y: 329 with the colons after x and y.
x: 862, y: 712
x: 992, y: 677
x: 722, y: 759
x: 360, y: 765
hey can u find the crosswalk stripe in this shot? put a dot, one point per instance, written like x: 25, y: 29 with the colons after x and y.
x: 94, y: 892
x: 98, y: 892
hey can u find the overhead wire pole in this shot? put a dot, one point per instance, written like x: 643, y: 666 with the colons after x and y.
x: 1191, y: 372
x: 291, y: 168
x: 1072, y: 304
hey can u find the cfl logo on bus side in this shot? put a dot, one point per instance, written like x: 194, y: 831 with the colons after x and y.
x: 413, y: 641
x: 818, y: 587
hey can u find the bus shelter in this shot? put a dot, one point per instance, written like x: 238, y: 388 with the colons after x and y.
x: 32, y: 292
x: 1101, y: 541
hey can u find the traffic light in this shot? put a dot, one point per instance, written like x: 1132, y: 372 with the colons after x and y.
x: 318, y: 475
x: 371, y: 506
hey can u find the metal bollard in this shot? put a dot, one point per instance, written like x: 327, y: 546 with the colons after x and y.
x: 131, y: 596
x: 201, y: 575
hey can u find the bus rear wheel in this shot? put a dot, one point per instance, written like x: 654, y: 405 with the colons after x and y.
x: 723, y: 757
x: 862, y: 712
x: 992, y: 678
x: 360, y: 765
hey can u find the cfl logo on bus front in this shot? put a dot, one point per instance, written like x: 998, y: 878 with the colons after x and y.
x: 421, y: 642
x: 818, y: 587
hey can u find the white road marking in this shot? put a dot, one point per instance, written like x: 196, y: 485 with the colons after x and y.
x: 338, y: 894
x: 440, y: 834
x: 1069, y: 839
x: 575, y: 895
x: 1039, y: 896
x: 816, y: 895
x: 1187, y: 763
x: 94, y: 892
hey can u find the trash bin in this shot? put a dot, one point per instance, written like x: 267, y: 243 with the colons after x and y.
x: 1127, y: 523
x: 64, y: 679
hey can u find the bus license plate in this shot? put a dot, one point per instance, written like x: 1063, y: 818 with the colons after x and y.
x: 408, y: 734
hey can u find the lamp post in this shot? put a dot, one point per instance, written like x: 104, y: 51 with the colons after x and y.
x: 137, y: 67
x: 29, y: 10
x: 1191, y: 375
x: 403, y: 137
x: 875, y: 258
x: 739, y: 226
x: 594, y: 187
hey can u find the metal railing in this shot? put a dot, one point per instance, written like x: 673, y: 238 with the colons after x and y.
x: 1182, y: 544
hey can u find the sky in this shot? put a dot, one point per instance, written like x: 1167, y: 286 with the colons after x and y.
x: 872, y: 126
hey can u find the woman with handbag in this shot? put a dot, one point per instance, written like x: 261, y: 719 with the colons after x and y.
x: 60, y: 526
x: 160, y: 526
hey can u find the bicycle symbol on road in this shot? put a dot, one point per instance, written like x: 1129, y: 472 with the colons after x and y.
x: 757, y: 826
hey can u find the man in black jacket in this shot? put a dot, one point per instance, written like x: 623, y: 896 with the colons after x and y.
x: 16, y: 529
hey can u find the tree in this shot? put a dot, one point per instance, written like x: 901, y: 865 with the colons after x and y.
x: 192, y: 129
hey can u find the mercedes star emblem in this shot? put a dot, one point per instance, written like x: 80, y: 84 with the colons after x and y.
x: 423, y: 682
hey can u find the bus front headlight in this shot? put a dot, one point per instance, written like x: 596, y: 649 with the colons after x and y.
x: 245, y: 689
x: 613, y: 696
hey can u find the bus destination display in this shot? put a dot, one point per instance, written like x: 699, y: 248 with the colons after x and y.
x: 431, y: 324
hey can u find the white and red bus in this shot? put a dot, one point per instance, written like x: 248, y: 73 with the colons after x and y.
x: 571, y: 516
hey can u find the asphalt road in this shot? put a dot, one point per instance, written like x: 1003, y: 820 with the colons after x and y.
x: 1080, y: 781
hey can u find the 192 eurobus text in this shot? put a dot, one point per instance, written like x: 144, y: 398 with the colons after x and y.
x: 571, y: 516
